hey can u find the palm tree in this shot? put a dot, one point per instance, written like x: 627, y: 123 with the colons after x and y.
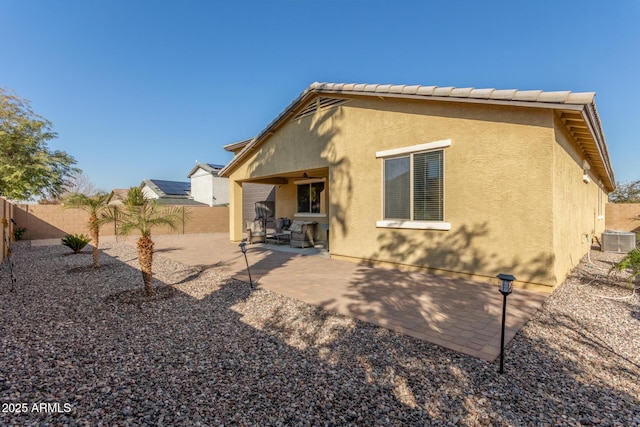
x: 94, y: 205
x: 143, y: 217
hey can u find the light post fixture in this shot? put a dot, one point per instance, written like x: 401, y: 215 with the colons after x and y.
x: 243, y: 248
x: 506, y: 284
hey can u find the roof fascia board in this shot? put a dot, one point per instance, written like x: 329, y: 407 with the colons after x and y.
x: 590, y: 117
x: 236, y: 145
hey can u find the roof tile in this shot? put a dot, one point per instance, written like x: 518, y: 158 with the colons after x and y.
x: 411, y: 90
x: 481, y: 93
x: 462, y: 92
x: 560, y: 96
x: 503, y: 94
x: 527, y: 95
x: 580, y: 98
x: 443, y: 91
x: 426, y: 90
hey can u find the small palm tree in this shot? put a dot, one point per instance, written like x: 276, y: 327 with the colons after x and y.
x: 94, y: 205
x: 142, y: 217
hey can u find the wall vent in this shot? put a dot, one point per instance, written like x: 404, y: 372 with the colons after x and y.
x: 320, y: 103
x: 618, y: 241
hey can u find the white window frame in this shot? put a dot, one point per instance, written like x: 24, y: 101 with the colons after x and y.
x: 600, y: 202
x: 409, y: 151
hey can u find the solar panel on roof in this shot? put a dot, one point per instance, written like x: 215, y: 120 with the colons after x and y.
x: 173, y: 187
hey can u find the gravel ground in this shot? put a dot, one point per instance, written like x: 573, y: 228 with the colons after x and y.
x: 78, y: 347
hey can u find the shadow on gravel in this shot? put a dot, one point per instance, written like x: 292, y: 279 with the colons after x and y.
x: 243, y: 357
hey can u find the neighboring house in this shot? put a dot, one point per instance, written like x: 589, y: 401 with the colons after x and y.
x: 207, y: 187
x: 464, y: 182
x: 168, y: 192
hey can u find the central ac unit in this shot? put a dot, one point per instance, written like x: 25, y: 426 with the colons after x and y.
x: 618, y: 241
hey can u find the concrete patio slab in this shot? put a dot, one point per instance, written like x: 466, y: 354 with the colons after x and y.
x: 458, y: 314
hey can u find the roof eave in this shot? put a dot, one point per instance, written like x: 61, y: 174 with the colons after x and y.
x: 590, y: 114
x: 234, y: 146
x: 577, y: 102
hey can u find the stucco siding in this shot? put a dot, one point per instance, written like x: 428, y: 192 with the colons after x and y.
x: 298, y: 145
x: 201, y: 187
x: 149, y: 193
x: 493, y: 199
x: 220, y: 191
x: 577, y: 216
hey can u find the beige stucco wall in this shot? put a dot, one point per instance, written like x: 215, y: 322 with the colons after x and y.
x: 489, y: 189
x: 502, y: 196
x: 577, y: 216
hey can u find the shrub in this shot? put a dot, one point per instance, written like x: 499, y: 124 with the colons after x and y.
x: 630, y: 262
x: 76, y: 242
x: 18, y: 232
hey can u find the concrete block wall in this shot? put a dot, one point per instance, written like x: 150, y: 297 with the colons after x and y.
x: 622, y: 217
x: 4, y: 213
x: 252, y: 193
x: 53, y: 221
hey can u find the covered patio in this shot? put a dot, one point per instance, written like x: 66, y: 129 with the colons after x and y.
x: 301, y: 195
x: 458, y: 314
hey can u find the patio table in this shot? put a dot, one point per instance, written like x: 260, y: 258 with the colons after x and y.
x: 279, y: 238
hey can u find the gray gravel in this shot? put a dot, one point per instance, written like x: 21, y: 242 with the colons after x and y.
x: 216, y: 353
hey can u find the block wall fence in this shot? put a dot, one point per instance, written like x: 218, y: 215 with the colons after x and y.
x: 623, y: 217
x: 53, y: 221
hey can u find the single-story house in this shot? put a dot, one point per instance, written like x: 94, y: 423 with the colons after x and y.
x: 169, y: 192
x: 457, y: 181
x: 207, y: 187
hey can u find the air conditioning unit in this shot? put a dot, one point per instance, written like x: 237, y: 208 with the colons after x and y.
x: 618, y: 241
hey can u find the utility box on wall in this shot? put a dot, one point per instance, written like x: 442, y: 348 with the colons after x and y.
x: 618, y: 241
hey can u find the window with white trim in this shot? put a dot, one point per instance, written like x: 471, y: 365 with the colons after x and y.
x: 413, y: 186
x: 600, y: 214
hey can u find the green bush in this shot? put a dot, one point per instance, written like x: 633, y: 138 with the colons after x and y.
x: 630, y: 262
x: 18, y: 232
x: 76, y: 242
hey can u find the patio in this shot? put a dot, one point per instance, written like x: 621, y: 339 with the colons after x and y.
x: 457, y: 314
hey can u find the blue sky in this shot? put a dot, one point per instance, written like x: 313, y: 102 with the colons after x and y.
x: 142, y: 89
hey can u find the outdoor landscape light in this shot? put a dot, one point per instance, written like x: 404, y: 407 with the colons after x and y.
x: 506, y: 284
x: 243, y: 248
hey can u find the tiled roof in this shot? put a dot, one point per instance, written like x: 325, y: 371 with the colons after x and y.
x: 560, y: 97
x: 582, y: 104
